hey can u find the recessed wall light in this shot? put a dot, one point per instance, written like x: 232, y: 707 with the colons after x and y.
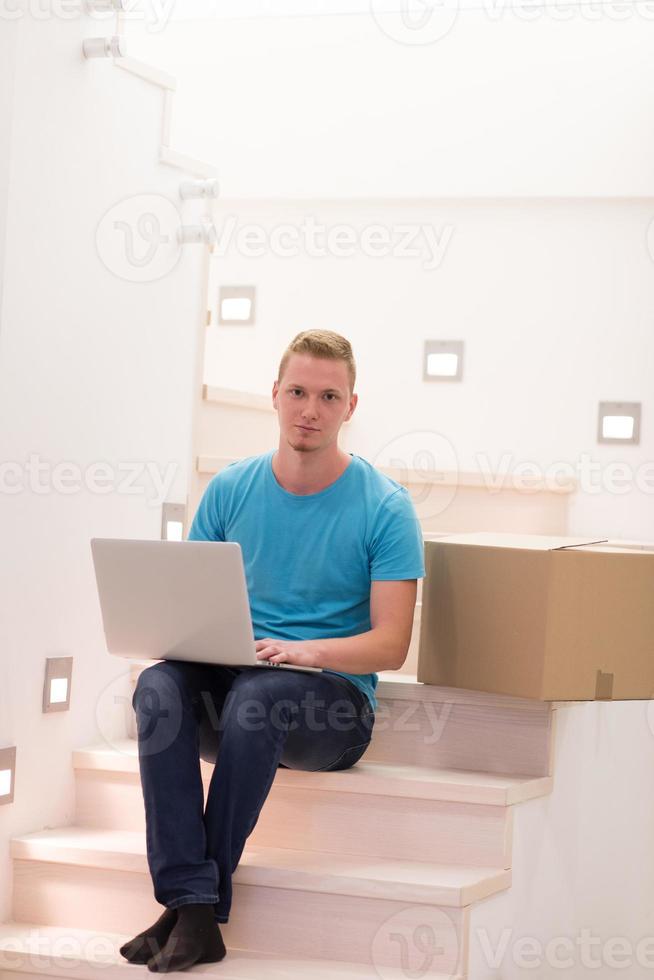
x: 58, y: 690
x: 173, y: 520
x: 619, y: 422
x: 236, y: 305
x: 443, y: 360
x: 7, y: 774
x: 57, y: 683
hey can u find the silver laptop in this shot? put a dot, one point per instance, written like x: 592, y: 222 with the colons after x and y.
x: 176, y: 600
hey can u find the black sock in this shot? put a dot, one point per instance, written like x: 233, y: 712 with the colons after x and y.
x: 195, y: 938
x: 143, y: 947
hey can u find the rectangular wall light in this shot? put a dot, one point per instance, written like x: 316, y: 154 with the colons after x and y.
x: 7, y: 774
x: 173, y: 522
x: 56, y: 687
x: 619, y: 422
x: 236, y: 306
x: 443, y: 360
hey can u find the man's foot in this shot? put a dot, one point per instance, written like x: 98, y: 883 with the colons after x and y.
x: 195, y: 938
x: 143, y: 947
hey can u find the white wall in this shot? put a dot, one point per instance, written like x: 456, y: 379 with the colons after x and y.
x: 92, y: 368
x: 554, y: 300
x: 8, y: 34
x: 516, y: 99
x: 580, y: 903
x: 526, y: 131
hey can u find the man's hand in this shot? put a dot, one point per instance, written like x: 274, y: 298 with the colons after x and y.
x: 299, y: 652
x: 384, y: 647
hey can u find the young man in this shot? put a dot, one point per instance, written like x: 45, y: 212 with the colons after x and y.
x: 332, y: 552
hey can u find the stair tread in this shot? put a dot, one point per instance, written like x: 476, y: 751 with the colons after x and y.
x: 280, y: 867
x: 379, y: 778
x: 53, y: 948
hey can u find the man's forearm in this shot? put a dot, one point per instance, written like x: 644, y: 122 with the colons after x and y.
x: 366, y: 653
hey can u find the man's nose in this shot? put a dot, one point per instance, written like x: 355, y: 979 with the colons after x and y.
x: 310, y: 409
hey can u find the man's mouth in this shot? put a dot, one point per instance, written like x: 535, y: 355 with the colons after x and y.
x: 307, y: 428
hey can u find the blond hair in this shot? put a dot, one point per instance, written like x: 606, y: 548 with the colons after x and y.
x: 321, y: 343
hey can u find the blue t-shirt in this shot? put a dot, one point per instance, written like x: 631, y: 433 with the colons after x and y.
x: 310, y: 558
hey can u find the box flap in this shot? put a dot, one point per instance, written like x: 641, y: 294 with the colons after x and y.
x: 618, y: 547
x: 531, y: 542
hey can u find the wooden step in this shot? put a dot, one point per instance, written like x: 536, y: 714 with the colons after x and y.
x: 449, y: 728
x: 408, y: 812
x: 278, y: 867
x: 376, y: 778
x: 285, y: 901
x: 50, y: 951
x: 452, y: 728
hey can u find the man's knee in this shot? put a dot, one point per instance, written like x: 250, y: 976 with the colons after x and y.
x: 254, y: 704
x: 158, y: 705
x: 155, y: 681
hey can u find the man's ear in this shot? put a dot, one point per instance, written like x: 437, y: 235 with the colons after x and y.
x: 275, y: 391
x: 353, y: 404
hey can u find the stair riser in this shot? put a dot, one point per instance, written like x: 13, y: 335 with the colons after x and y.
x: 443, y: 734
x: 275, y: 920
x: 414, y: 829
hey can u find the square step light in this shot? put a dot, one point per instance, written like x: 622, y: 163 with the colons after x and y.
x: 236, y: 306
x: 443, y: 360
x: 56, y: 687
x: 173, y: 522
x: 7, y: 774
x: 619, y: 422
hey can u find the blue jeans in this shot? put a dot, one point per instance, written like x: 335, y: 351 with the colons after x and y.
x: 248, y: 721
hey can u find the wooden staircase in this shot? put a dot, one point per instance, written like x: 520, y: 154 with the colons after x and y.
x: 342, y: 870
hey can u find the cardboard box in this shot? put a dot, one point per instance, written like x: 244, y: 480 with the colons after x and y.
x: 538, y: 617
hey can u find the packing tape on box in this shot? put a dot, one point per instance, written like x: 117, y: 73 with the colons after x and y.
x: 603, y: 687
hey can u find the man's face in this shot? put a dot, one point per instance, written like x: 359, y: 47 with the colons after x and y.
x: 312, y: 401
